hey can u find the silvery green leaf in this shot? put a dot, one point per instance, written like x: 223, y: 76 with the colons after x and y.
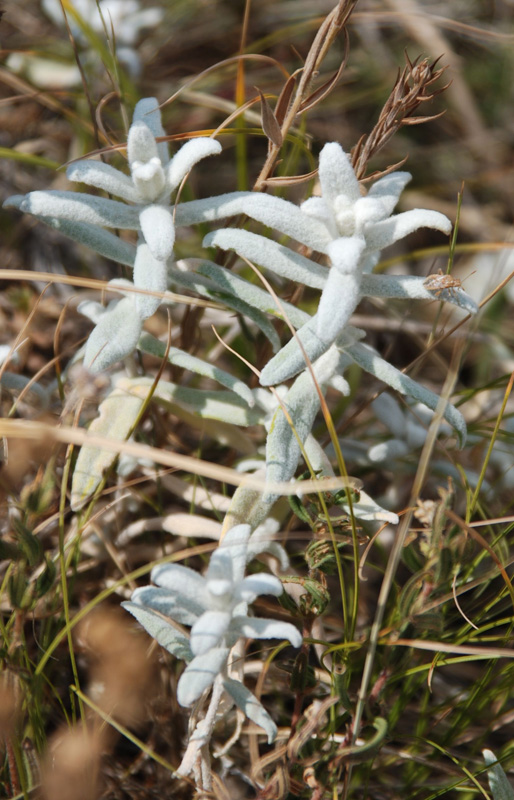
x: 259, y: 628
x: 16, y: 383
x: 410, y: 286
x: 500, y: 786
x: 261, y: 583
x: 251, y: 707
x: 318, y: 459
x: 147, y: 110
x: 103, y: 176
x: 206, y: 288
x: 390, y: 414
x: 210, y: 209
x: 164, y: 633
x: 247, y: 506
x: 386, y: 232
x: 387, y: 451
x: 184, y: 610
x: 235, y: 543
x: 365, y: 508
x: 287, y: 218
x: 189, y: 155
x: 116, y: 418
x: 338, y: 301
x: 115, y: 336
x: 262, y: 541
x: 269, y: 254
x: 370, y: 361
x: 282, y: 447
x: 290, y: 360
x: 253, y: 295
x: 207, y: 404
x: 152, y: 346
x: 151, y: 274
x: 200, y: 674
x: 208, y: 631
x: 157, y: 226
x: 182, y: 580
x: 388, y: 190
x: 98, y: 239
x: 78, y: 207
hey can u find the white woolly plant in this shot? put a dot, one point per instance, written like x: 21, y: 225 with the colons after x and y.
x: 215, y: 608
x: 147, y: 209
x: 350, y: 228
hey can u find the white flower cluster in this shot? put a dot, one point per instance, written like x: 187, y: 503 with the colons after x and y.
x: 350, y: 228
x: 147, y: 209
x: 216, y: 609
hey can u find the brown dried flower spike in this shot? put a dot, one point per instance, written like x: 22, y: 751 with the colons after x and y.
x: 410, y: 90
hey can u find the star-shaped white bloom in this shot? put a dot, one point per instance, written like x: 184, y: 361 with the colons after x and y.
x: 349, y: 227
x: 216, y: 609
x: 153, y: 178
x: 147, y: 191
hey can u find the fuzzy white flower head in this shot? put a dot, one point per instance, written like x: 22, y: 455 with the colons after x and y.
x: 216, y: 608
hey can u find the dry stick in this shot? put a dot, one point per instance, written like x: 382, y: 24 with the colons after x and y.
x: 395, y: 555
x: 329, y: 29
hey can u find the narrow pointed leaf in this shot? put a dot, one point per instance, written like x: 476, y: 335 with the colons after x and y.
x: 251, y: 707
x: 270, y: 124
x: 200, y: 674
x: 182, y: 580
x: 501, y: 788
x: 78, y: 207
x: 235, y: 543
x: 269, y: 254
x: 410, y: 286
x: 291, y: 360
x: 189, y: 155
x: 208, y: 631
x: 384, y: 233
x: 182, y: 609
x: 262, y: 583
x: 370, y: 361
x: 207, y: 404
x: 117, y: 416
x: 258, y: 628
x: 253, y: 295
x: 103, y: 176
x: 115, y: 336
x: 164, y: 633
x: 148, y: 344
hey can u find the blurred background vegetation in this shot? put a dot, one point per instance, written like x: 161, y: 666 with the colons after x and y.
x: 48, y: 118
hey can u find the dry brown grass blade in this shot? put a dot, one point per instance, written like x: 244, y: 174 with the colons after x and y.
x: 284, y: 98
x: 411, y: 89
x: 424, y: 28
x: 28, y: 429
x: 456, y: 649
x: 291, y: 181
x: 269, y: 122
x: 102, y: 286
